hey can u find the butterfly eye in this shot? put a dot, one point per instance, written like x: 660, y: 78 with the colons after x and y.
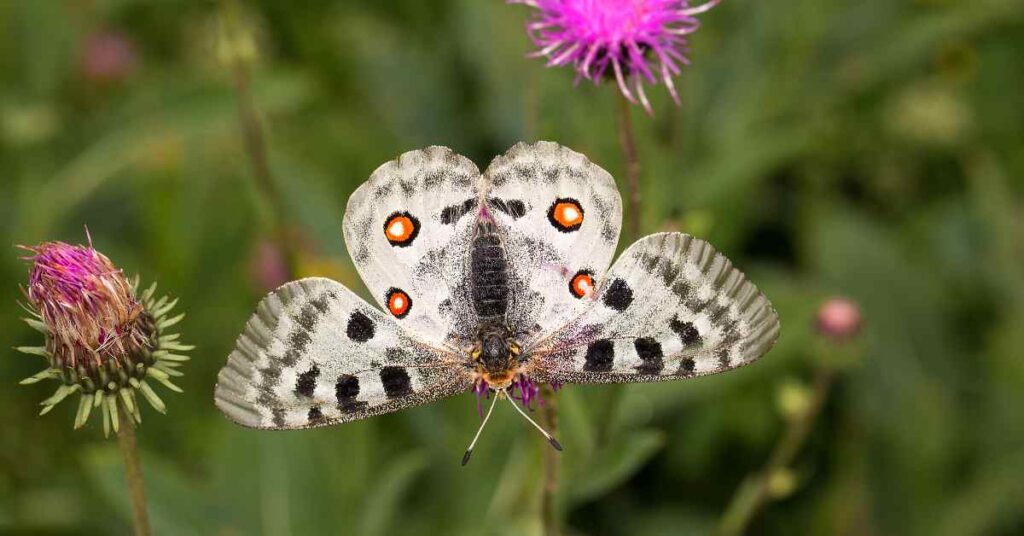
x: 566, y: 214
x: 401, y: 229
x: 582, y: 284
x: 399, y: 302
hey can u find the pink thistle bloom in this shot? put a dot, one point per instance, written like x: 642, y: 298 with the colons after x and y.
x: 634, y: 41
x: 86, y: 304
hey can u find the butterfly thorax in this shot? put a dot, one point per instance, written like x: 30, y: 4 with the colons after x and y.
x: 496, y: 355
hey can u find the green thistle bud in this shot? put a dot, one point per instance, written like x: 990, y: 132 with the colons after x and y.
x: 103, y: 340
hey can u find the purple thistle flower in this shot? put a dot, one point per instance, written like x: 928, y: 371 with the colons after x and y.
x: 103, y: 340
x: 634, y: 41
x: 86, y: 303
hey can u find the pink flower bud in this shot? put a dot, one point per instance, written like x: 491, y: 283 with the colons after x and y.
x: 108, y: 57
x: 838, y: 319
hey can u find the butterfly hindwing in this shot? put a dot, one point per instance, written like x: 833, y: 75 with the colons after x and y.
x: 560, y: 216
x: 315, y: 354
x: 670, y: 307
x: 408, y: 230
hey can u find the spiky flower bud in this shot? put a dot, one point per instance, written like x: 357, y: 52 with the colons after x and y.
x: 103, y: 340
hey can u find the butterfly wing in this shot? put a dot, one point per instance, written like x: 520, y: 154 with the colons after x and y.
x: 560, y: 216
x: 670, y: 307
x: 315, y: 354
x: 408, y: 230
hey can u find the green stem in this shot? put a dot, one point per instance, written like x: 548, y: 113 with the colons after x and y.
x: 753, y: 494
x: 133, y: 472
x: 549, y: 415
x: 627, y: 143
x: 253, y: 132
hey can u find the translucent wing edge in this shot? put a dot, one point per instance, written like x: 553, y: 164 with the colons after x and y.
x: 234, y: 379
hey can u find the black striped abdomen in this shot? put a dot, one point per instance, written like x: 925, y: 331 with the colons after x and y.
x: 489, y: 273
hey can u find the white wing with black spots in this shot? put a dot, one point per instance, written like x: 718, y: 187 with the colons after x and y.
x: 559, y: 216
x: 670, y: 307
x: 315, y: 354
x: 408, y: 230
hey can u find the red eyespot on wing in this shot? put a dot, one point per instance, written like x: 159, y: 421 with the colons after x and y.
x: 401, y: 229
x: 399, y: 303
x: 582, y: 284
x: 566, y: 214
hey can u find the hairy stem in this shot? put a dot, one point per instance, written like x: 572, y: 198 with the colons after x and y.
x: 133, y: 472
x: 753, y: 494
x: 627, y: 143
x: 549, y: 414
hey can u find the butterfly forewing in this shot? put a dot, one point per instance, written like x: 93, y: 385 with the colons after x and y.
x: 408, y: 231
x: 315, y: 354
x: 560, y: 216
x: 670, y: 307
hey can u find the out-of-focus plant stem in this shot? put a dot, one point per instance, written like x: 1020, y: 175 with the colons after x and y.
x: 133, y: 473
x: 238, y: 50
x: 754, y: 492
x: 627, y: 143
x: 549, y: 515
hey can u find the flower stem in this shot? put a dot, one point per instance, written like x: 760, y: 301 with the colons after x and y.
x: 133, y: 472
x: 253, y: 132
x: 754, y: 493
x: 627, y: 143
x: 549, y: 516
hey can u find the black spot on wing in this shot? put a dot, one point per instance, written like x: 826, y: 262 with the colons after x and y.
x: 346, y: 390
x: 649, y: 351
x: 599, y: 357
x: 454, y: 213
x: 619, y: 295
x: 278, y: 417
x: 360, y: 327
x: 306, y: 383
x: 687, y: 366
x: 314, y: 415
x: 396, y: 381
x: 514, y: 208
x: 686, y: 331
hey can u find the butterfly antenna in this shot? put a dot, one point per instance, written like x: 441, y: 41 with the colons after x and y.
x: 469, y: 451
x: 554, y: 442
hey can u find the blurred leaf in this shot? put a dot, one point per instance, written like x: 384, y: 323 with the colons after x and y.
x: 613, y: 464
x: 383, y: 502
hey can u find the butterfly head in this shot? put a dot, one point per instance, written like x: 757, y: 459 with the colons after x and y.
x: 496, y: 355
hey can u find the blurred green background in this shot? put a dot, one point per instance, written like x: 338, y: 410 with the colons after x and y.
x: 869, y: 148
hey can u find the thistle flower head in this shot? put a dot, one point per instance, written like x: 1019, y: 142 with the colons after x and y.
x: 86, y: 304
x: 636, y: 42
x: 101, y: 339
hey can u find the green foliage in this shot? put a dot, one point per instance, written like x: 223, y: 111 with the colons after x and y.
x: 871, y: 149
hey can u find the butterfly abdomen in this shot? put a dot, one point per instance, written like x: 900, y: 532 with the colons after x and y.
x: 489, y: 273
